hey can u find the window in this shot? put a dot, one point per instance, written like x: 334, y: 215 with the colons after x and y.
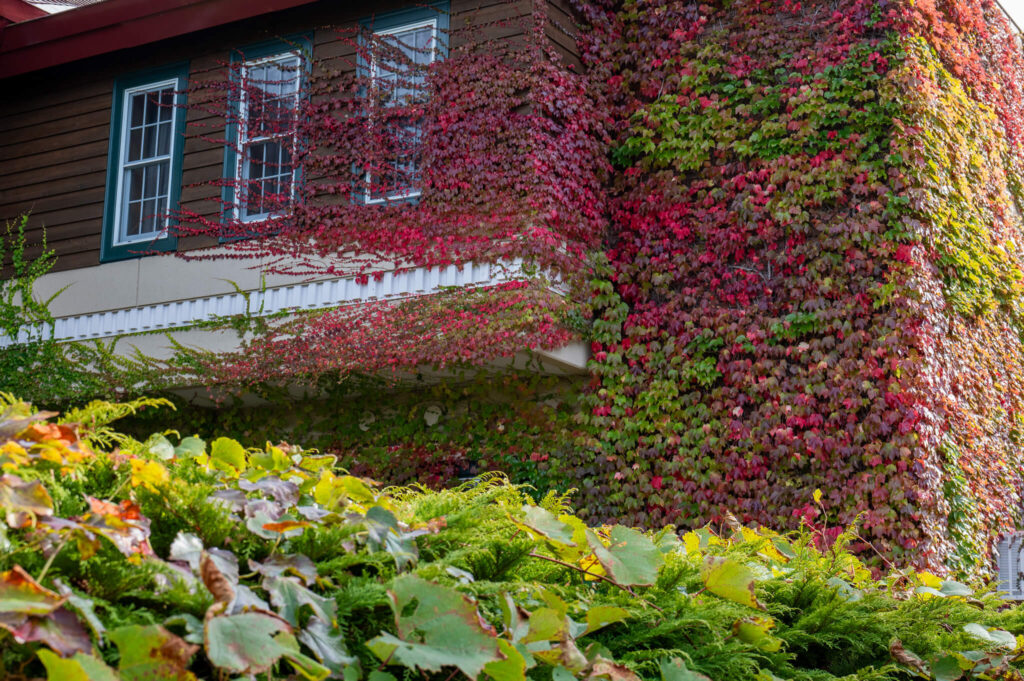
x: 144, y: 163
x: 268, y: 110
x: 404, y: 45
x: 259, y: 161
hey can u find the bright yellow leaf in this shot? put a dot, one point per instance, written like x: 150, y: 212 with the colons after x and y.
x: 151, y: 474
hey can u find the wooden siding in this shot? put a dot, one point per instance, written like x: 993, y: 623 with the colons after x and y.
x: 55, y: 124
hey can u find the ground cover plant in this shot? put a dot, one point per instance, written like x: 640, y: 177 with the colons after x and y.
x: 175, y: 558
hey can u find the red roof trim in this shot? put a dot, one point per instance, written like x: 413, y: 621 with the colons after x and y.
x: 115, y: 25
x: 13, y: 11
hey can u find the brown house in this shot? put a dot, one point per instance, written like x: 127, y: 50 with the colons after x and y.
x: 107, y: 138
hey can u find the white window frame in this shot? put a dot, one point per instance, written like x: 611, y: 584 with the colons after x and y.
x: 119, y: 238
x: 411, y: 26
x: 242, y: 141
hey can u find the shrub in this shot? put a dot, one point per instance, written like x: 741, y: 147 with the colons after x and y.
x: 155, y: 560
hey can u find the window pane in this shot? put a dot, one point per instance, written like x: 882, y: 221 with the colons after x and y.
x: 166, y: 104
x: 149, y: 141
x: 152, y: 107
x: 135, y: 145
x: 135, y: 183
x: 134, y: 215
x: 138, y: 105
x: 163, y: 146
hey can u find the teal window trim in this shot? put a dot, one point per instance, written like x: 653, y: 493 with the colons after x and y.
x: 300, y: 42
x: 440, y: 12
x: 110, y: 248
x: 388, y: 21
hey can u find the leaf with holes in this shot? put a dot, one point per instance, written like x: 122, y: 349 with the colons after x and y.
x: 436, y: 627
x: 244, y: 643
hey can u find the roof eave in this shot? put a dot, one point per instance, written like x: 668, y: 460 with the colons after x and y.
x: 116, y: 25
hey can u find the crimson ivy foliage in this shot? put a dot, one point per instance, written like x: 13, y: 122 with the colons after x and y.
x: 813, y: 275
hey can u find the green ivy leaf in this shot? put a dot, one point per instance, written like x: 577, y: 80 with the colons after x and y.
x: 327, y: 644
x: 756, y: 631
x: 602, y: 615
x: 512, y: 668
x: 947, y: 668
x: 996, y: 637
x: 159, y: 447
x: 541, y: 522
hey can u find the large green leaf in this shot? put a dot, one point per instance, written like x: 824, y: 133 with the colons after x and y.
x: 541, y: 522
x: 630, y: 559
x: 327, y: 645
x: 730, y: 580
x: 152, y: 652
x: 757, y: 632
x: 306, y: 666
x: 244, y: 643
x: 79, y: 667
x: 190, y: 447
x: 289, y: 596
x: 600, y: 616
x: 437, y: 627
x: 227, y: 455
x: 996, y: 637
x: 947, y: 668
x: 160, y: 447
x: 512, y: 668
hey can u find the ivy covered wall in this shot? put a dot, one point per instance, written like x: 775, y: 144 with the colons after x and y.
x: 813, y: 270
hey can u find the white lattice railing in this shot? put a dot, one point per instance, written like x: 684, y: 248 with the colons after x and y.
x: 303, y: 296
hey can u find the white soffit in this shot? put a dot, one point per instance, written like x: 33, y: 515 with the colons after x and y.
x: 302, y: 296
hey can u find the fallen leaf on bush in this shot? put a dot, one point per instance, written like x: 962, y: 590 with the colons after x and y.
x: 152, y: 652
x: 675, y: 670
x: 244, y: 643
x: 605, y: 669
x: 906, y: 658
x: 24, y: 502
x: 731, y: 580
x: 150, y: 474
x: 79, y: 667
x: 22, y: 595
x: 630, y: 559
x: 216, y: 583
